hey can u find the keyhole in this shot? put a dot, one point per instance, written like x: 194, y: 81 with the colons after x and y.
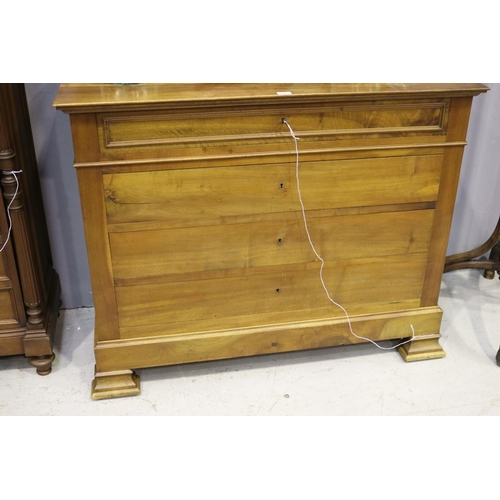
x: 277, y: 290
x: 280, y: 241
x: 281, y: 185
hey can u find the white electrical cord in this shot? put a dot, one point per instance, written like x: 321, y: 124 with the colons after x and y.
x: 323, y: 262
x: 13, y: 172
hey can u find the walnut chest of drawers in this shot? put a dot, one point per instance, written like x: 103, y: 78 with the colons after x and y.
x: 196, y: 238
x: 29, y: 286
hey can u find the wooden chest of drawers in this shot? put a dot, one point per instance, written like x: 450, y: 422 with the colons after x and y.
x: 29, y: 286
x: 196, y: 238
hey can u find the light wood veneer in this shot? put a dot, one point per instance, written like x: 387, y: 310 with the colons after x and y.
x: 194, y: 229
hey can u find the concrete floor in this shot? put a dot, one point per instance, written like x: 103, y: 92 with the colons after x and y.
x: 348, y: 380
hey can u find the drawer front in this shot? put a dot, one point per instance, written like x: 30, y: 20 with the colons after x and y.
x: 363, y: 286
x: 230, y: 131
x: 180, y: 196
x: 282, y: 241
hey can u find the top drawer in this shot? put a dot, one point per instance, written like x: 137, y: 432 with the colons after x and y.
x: 229, y: 131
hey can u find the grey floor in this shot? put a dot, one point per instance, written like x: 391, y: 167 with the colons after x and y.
x: 349, y: 380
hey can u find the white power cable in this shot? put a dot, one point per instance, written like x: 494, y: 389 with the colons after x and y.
x: 323, y: 262
x: 13, y: 172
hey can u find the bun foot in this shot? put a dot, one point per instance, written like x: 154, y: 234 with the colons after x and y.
x: 43, y: 364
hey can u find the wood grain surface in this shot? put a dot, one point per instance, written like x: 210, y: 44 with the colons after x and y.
x: 195, y: 232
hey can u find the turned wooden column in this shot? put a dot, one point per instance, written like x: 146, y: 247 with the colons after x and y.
x: 12, y: 192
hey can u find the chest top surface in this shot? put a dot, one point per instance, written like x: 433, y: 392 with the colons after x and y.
x: 80, y: 98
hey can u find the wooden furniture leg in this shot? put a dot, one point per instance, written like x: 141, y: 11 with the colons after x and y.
x: 115, y: 384
x: 43, y: 364
x: 466, y: 260
x: 420, y: 349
